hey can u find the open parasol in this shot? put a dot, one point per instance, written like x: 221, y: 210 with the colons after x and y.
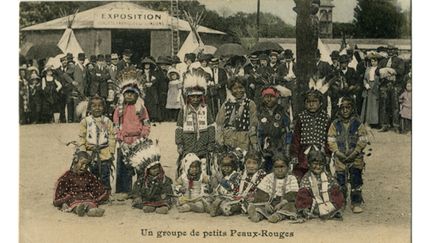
x: 41, y: 51
x: 266, y: 47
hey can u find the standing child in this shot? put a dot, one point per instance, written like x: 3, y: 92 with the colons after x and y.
x: 78, y: 190
x: 195, y: 131
x: 152, y: 191
x: 319, y: 194
x: 132, y: 123
x: 237, y: 120
x: 274, y: 134
x: 192, y: 186
x: 174, y: 96
x: 276, y: 193
x: 97, y: 137
x: 405, y: 100
x: 347, y: 138
x: 226, y: 185
x: 310, y: 129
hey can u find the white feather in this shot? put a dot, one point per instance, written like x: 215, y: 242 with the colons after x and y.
x: 81, y: 109
x: 311, y: 83
x: 284, y: 92
x: 194, y: 80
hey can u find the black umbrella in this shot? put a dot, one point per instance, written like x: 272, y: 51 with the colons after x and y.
x: 42, y: 51
x: 266, y: 47
x: 230, y: 49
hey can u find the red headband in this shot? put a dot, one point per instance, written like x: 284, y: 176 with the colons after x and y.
x: 270, y: 91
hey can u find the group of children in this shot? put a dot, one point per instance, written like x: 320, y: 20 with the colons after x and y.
x: 244, y: 161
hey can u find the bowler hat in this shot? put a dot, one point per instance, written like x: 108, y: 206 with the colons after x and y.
x: 344, y: 58
x: 81, y: 56
x: 288, y: 53
x: 262, y: 57
x: 107, y: 57
x: 334, y: 55
x: 93, y: 58
x: 127, y: 52
x: 100, y: 57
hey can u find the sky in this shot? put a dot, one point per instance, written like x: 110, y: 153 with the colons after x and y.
x: 342, y: 12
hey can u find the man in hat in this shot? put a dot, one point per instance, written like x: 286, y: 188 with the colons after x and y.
x: 254, y: 60
x: 80, y: 74
x: 161, y: 74
x: 151, y: 98
x: 390, y: 88
x: 98, y: 84
x: 108, y: 59
x: 335, y: 60
x: 93, y: 59
x: 220, y: 80
x: 274, y: 62
x: 65, y: 76
x: 286, y: 71
x: 126, y: 61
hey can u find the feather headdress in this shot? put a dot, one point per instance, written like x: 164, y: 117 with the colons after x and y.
x: 129, y: 79
x: 194, y: 84
x: 142, y: 154
x: 319, y: 85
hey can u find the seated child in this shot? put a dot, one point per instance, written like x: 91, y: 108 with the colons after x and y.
x: 275, y: 195
x: 319, y: 194
x: 152, y: 190
x: 347, y: 138
x: 226, y: 183
x: 78, y: 190
x: 251, y: 177
x: 97, y: 137
x: 192, y: 186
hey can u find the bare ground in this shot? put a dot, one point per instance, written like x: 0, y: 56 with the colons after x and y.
x: 44, y: 157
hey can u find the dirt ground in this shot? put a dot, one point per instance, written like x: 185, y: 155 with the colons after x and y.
x: 44, y: 157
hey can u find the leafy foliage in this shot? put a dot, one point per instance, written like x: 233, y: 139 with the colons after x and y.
x: 378, y: 19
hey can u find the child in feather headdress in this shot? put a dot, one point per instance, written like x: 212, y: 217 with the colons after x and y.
x: 195, y: 132
x: 319, y: 194
x: 311, y: 126
x: 192, y: 185
x: 132, y: 123
x: 152, y: 190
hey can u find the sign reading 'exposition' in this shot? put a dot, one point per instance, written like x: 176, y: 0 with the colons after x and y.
x: 131, y: 19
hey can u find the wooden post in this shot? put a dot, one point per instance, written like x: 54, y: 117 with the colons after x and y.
x: 307, y: 32
x: 258, y: 21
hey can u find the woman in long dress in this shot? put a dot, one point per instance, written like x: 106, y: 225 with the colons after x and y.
x: 370, y: 108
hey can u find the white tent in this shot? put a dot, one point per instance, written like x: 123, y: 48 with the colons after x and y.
x: 69, y: 44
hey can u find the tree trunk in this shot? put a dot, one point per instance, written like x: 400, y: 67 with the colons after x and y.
x: 307, y: 32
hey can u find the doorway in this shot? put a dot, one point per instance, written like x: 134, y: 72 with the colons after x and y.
x: 138, y: 41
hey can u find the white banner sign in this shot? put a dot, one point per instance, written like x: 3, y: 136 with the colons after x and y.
x: 131, y: 19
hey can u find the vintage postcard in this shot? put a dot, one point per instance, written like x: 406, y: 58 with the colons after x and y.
x: 203, y: 121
